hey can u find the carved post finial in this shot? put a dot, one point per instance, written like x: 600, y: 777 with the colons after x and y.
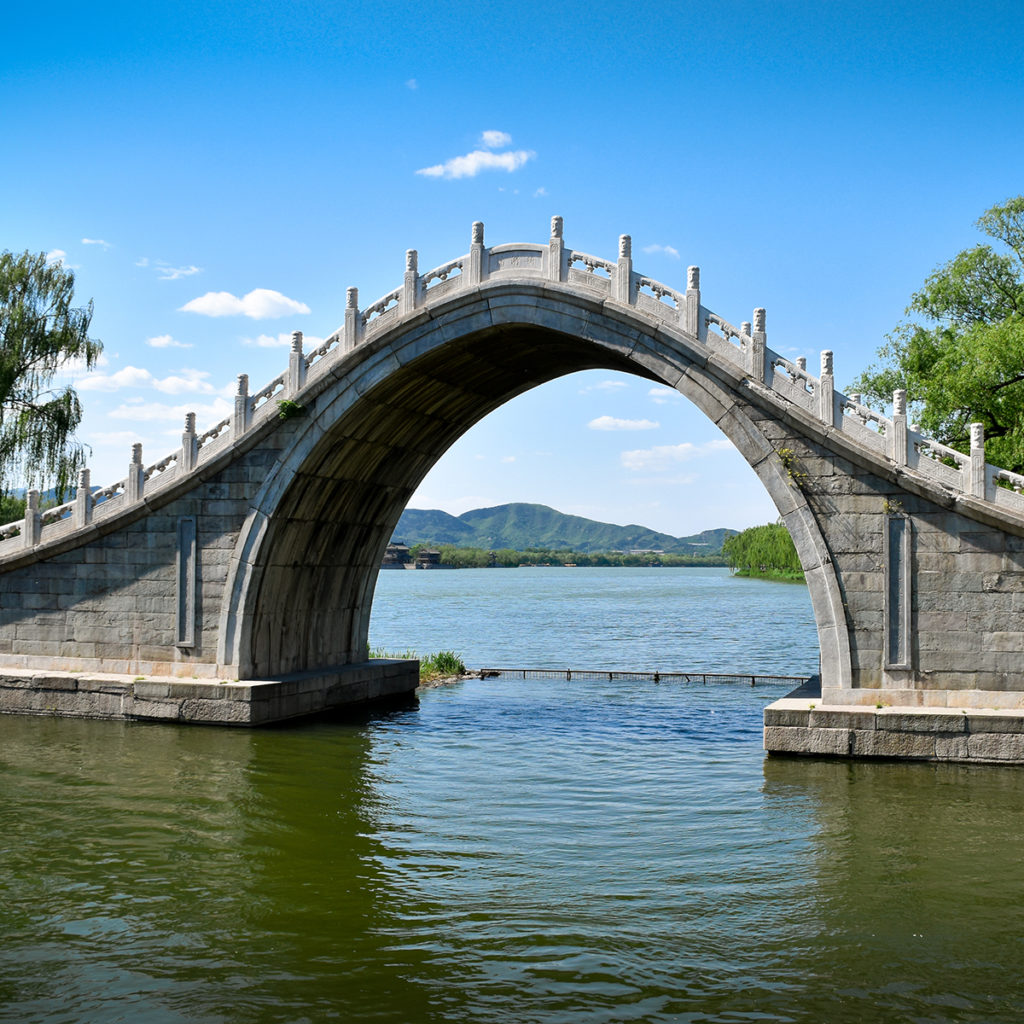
x: 411, y: 260
x: 478, y: 232
x: 32, y: 526
x: 978, y: 483
x: 625, y: 247
x: 351, y: 298
x: 745, y: 328
x: 694, y: 326
x: 243, y: 407
x: 899, y: 402
x: 136, y: 476
x: 297, y: 341
x: 759, y: 318
x: 556, y: 227
x: 826, y: 361
x: 410, y: 297
x: 296, y: 365
x: 693, y: 277
x: 758, y: 350
x: 190, y: 423
x: 83, y: 500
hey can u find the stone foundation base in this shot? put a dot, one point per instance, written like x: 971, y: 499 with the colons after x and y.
x: 246, y: 703
x: 804, y: 725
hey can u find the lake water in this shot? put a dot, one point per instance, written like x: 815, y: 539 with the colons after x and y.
x: 512, y: 851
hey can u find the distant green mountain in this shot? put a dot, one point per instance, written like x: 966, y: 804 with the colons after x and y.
x: 521, y: 526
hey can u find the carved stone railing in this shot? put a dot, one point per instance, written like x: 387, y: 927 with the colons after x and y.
x: 743, y: 348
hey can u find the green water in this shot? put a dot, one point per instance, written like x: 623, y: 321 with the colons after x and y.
x: 502, y: 851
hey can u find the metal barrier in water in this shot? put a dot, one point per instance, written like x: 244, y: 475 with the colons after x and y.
x: 593, y: 675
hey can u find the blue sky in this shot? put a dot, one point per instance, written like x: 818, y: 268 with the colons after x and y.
x: 816, y: 159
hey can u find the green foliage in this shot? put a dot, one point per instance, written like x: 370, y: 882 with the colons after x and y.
x: 11, y: 509
x: 961, y: 357
x: 40, y: 332
x: 764, y: 551
x: 287, y: 409
x: 432, y: 666
x: 509, y: 558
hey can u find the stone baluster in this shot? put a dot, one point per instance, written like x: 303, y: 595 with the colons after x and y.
x: 977, y: 485
x: 411, y: 282
x: 476, y: 254
x: 136, y: 482
x: 624, y: 291
x: 83, y: 500
x: 898, y: 440
x: 33, y: 524
x: 827, y: 390
x: 242, y: 416
x: 693, y: 324
x: 758, y: 345
x: 353, y: 321
x: 189, y: 444
x: 556, y: 251
x: 296, y: 365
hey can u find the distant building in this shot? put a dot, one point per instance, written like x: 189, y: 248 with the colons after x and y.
x: 428, y: 558
x: 396, y: 556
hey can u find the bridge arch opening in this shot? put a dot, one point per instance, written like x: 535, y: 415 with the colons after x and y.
x: 307, y: 561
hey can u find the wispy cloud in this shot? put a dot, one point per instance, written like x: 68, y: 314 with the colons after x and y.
x: 613, y: 423
x: 151, y: 412
x: 662, y: 395
x: 604, y: 385
x: 185, y: 382
x: 166, y: 341
x: 259, y: 304
x: 666, y: 456
x: 165, y: 272
x: 96, y: 241
x: 668, y: 250
x: 59, y: 256
x: 471, y: 164
x: 540, y: 193
x: 508, y: 458
x: 494, y: 139
x: 411, y: 83
x: 282, y: 340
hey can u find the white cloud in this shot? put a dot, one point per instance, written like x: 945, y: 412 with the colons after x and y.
x: 143, y: 262
x: 470, y: 165
x: 665, y: 456
x: 662, y: 395
x: 495, y: 140
x: 604, y: 385
x: 166, y: 341
x: 186, y: 382
x: 56, y: 256
x: 282, y: 340
x: 149, y: 412
x: 165, y: 272
x: 540, y: 192
x: 668, y: 250
x: 411, y: 83
x: 96, y: 241
x: 259, y: 304
x: 613, y: 423
x: 508, y: 458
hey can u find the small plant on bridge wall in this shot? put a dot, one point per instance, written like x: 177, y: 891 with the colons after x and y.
x: 287, y: 409
x: 792, y: 463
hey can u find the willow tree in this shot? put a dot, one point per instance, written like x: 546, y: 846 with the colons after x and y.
x: 960, y: 354
x: 42, y: 333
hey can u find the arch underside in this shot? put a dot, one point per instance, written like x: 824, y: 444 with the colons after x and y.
x: 328, y: 517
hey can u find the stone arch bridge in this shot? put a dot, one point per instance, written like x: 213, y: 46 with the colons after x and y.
x: 251, y: 553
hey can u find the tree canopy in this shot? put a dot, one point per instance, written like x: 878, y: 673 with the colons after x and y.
x: 960, y: 356
x: 41, y: 333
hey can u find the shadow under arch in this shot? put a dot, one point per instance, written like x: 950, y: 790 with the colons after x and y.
x: 302, y: 576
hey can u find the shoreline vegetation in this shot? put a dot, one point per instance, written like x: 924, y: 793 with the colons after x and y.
x: 435, y: 669
x: 764, y: 552
x: 511, y: 558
